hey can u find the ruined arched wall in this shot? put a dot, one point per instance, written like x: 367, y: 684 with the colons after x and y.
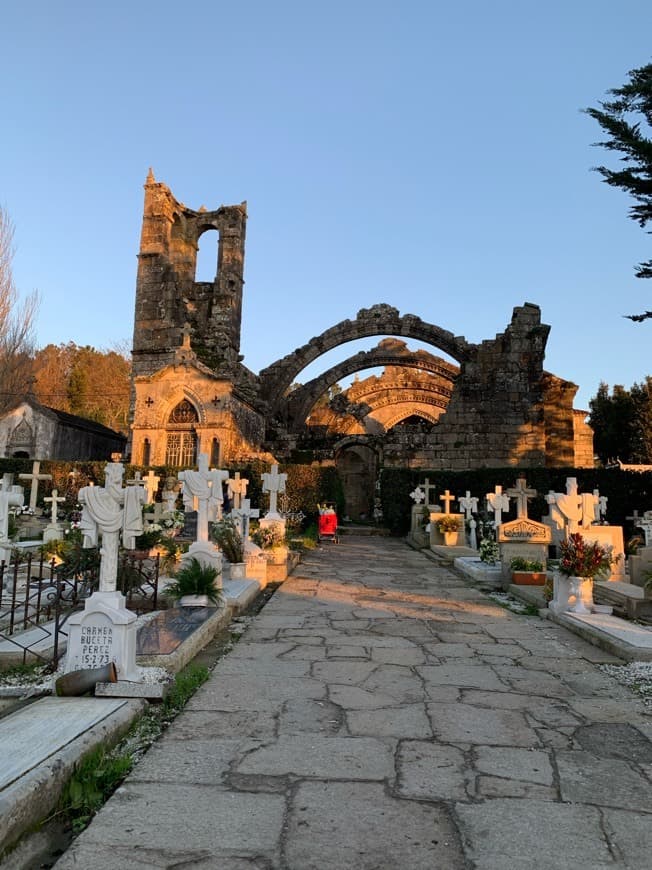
x: 379, y: 320
x: 389, y: 353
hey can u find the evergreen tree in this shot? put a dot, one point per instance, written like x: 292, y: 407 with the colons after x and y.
x: 622, y: 423
x: 621, y: 119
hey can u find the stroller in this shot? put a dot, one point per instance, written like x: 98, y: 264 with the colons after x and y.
x: 327, y: 527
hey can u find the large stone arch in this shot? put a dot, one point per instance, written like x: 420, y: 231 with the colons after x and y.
x: 378, y: 320
x: 389, y: 352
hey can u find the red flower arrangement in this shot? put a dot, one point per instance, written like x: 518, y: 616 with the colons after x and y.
x: 582, y: 559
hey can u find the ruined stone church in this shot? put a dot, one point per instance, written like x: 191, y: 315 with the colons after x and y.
x: 493, y: 406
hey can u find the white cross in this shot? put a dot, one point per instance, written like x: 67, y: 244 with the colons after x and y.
x: 426, y: 487
x: 497, y: 502
x: 243, y: 515
x: 55, y: 503
x: 469, y: 504
x: 136, y: 480
x: 522, y: 495
x: 237, y: 489
x: 35, y: 477
x: 151, y: 485
x: 447, y: 498
x: 274, y: 484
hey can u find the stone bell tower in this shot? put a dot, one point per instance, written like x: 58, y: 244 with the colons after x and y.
x: 168, y: 298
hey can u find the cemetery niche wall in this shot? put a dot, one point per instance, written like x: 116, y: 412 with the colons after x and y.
x: 493, y: 405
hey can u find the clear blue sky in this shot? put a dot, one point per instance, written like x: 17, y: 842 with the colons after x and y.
x: 429, y: 155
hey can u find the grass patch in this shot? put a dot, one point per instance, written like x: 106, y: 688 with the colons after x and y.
x: 100, y: 772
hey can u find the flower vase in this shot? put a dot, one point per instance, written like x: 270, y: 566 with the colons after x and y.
x: 450, y: 539
x: 581, y: 588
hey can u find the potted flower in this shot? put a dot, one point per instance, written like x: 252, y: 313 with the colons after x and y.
x: 226, y: 535
x: 580, y: 564
x: 449, y: 526
x: 268, y: 537
x: 194, y: 585
x: 527, y: 572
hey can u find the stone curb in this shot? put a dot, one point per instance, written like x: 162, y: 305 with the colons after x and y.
x: 34, y: 796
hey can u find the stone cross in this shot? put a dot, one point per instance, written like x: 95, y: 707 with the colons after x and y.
x: 151, y: 485
x: 497, y: 502
x: 567, y: 509
x: 237, y: 489
x: 35, y: 477
x: 599, y: 505
x: 426, y: 486
x: 111, y: 511
x: 243, y: 515
x: 215, y: 505
x: 521, y: 494
x: 197, y: 489
x: 55, y: 500
x: 12, y: 497
x: 447, y: 498
x: 273, y: 483
x: 468, y: 504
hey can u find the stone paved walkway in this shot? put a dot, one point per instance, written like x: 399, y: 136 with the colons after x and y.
x: 382, y: 713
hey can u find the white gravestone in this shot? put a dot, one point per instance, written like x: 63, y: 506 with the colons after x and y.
x: 197, y: 490
x: 418, y: 495
x: 105, y: 630
x: 54, y: 530
x: 35, y: 477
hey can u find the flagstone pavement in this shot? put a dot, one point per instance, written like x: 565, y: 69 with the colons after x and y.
x: 381, y: 712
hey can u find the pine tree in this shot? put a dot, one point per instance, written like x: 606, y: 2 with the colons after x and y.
x: 621, y: 119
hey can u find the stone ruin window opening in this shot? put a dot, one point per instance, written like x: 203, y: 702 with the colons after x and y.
x: 207, y: 263
x: 181, y: 443
x: 147, y: 451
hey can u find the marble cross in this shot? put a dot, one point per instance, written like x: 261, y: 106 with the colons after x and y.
x: 151, y: 485
x: 111, y: 510
x: 197, y: 490
x: 521, y: 494
x: 55, y: 500
x: 497, y: 501
x: 35, y: 477
x: 447, y: 498
x: 243, y: 515
x: 468, y: 504
x: 237, y: 489
x: 274, y: 484
x: 426, y: 486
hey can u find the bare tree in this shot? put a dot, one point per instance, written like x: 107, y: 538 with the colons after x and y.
x: 17, y: 321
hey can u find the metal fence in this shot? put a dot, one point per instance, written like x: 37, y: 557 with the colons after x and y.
x: 36, y: 594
